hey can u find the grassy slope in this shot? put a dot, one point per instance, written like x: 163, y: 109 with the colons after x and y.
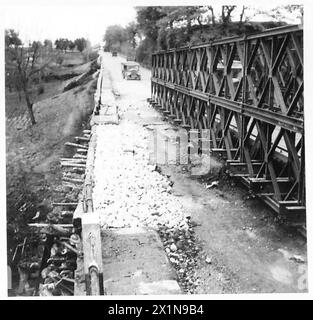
x: 33, y: 152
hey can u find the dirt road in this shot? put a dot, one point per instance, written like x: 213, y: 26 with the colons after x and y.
x: 244, y: 248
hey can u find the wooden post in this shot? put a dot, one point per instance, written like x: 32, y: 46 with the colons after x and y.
x: 93, y: 268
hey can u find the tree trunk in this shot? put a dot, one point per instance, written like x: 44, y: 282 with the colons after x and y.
x: 223, y: 14
x: 212, y: 14
x: 242, y: 14
x: 30, y: 108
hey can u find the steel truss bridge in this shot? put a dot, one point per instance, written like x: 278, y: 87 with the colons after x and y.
x: 248, y: 93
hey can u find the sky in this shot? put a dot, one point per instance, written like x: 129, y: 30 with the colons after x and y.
x: 53, y: 21
x: 45, y: 19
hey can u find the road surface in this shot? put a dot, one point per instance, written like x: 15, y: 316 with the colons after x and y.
x: 241, y: 247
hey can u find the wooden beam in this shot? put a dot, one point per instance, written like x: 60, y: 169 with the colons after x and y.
x: 76, y: 145
x: 82, y: 139
x: 75, y: 165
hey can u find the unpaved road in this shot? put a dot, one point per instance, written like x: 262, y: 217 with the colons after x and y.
x: 248, y: 251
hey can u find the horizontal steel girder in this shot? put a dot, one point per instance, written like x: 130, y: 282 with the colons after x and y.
x: 277, y: 119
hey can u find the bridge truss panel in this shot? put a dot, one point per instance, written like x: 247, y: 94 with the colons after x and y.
x: 248, y: 92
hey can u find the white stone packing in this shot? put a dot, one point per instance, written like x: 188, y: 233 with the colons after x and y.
x: 127, y: 191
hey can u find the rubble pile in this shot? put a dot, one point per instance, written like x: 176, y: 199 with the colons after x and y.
x: 54, y: 268
x: 58, y: 276
x: 182, y: 250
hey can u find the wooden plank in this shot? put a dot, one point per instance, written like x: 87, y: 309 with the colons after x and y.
x: 73, y: 180
x: 82, y: 150
x: 75, y: 160
x: 71, y: 164
x: 79, y: 156
x: 82, y: 139
x: 76, y: 145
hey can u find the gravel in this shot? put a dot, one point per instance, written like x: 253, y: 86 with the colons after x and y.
x: 128, y: 191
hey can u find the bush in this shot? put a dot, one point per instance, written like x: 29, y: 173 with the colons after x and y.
x: 144, y: 52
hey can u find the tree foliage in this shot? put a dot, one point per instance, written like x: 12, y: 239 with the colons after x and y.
x: 48, y: 44
x: 148, y: 18
x: 61, y: 44
x: 12, y: 38
x: 71, y: 45
x: 81, y: 44
x: 114, y: 36
x: 23, y: 65
x: 64, y: 44
x: 174, y: 26
x: 131, y: 32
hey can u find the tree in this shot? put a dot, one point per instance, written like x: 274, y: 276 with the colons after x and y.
x: 114, y: 36
x: 81, y: 44
x: 26, y: 65
x: 62, y: 44
x: 71, y: 45
x: 210, y: 8
x: 12, y: 39
x: 226, y: 13
x: 47, y: 44
x: 36, y: 45
x: 178, y: 24
x: 167, y: 27
x: 243, y: 9
x: 131, y: 33
x: 147, y: 18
